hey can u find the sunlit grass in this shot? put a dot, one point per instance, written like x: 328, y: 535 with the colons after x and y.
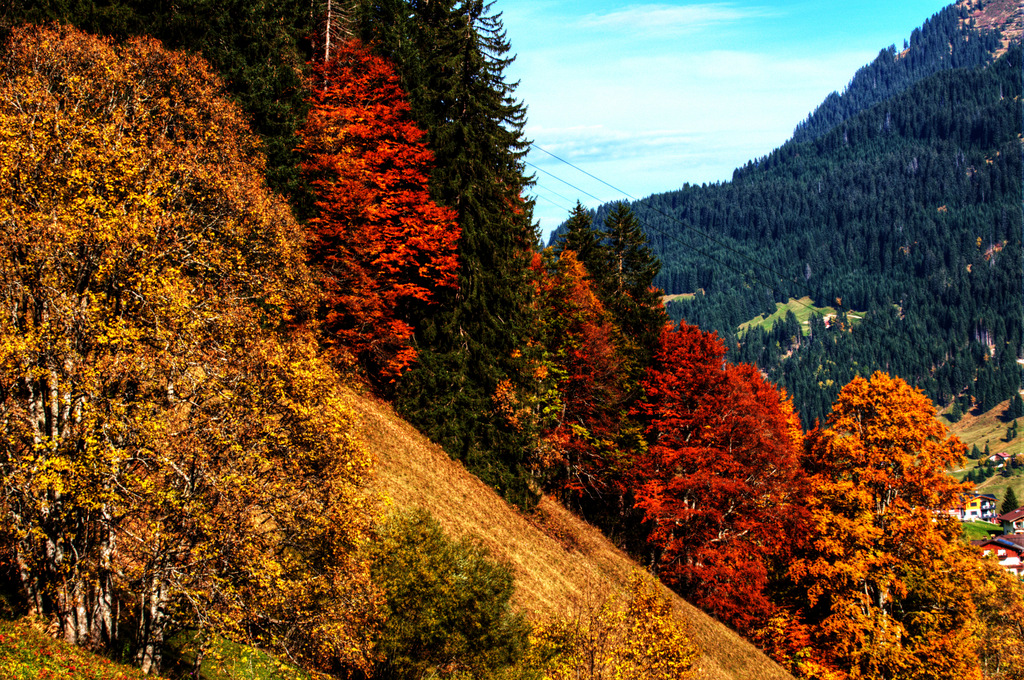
x: 803, y: 309
x: 28, y: 653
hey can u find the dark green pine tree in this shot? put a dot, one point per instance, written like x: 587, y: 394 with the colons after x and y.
x: 471, y: 378
x: 625, y: 284
x: 582, y: 238
x: 1010, y: 502
x: 1016, y: 409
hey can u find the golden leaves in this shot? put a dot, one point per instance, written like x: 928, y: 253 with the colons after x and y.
x: 885, y: 579
x: 634, y: 636
x: 161, y: 422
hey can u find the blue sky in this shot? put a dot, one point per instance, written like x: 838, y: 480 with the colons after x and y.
x: 648, y: 97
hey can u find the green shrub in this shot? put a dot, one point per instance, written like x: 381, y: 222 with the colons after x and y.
x: 447, y: 609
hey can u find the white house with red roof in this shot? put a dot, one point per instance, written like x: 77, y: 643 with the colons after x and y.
x: 1012, y: 522
x: 1009, y: 552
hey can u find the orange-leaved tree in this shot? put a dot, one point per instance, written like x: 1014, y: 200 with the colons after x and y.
x: 883, y: 587
x: 581, y: 412
x: 720, y: 481
x: 380, y: 245
x: 174, y: 452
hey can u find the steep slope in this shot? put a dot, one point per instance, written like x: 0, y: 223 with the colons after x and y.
x: 557, y: 557
x: 1005, y: 17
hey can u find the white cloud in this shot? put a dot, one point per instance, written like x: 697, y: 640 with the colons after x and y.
x: 668, y: 19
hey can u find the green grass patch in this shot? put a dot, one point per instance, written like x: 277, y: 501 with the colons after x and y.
x: 986, y: 428
x: 998, y: 485
x: 983, y: 429
x: 227, y: 660
x: 975, y: 531
x: 27, y: 653
x: 665, y: 299
x: 803, y: 308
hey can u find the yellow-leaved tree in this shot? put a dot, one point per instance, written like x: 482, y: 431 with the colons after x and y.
x: 883, y: 586
x: 174, y: 453
x: 633, y: 635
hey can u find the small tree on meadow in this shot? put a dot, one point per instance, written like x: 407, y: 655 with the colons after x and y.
x: 1010, y: 502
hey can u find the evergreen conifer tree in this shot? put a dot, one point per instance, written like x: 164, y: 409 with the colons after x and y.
x: 1010, y: 502
x: 625, y: 284
x: 452, y: 55
x: 1016, y: 409
x: 583, y: 239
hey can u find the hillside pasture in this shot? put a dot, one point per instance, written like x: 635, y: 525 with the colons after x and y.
x: 803, y: 308
x: 561, y: 563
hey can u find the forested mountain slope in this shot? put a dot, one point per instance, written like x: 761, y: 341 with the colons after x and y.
x: 909, y: 211
x: 947, y: 40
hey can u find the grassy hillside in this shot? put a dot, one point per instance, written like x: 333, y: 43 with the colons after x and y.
x: 558, y: 559
x: 983, y: 429
x: 987, y: 428
x: 803, y: 308
x: 28, y: 653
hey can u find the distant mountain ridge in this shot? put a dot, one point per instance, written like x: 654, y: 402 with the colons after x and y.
x: 908, y: 209
x: 945, y: 41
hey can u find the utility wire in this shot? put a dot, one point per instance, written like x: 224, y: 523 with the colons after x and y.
x: 683, y: 224
x: 554, y: 203
x: 672, y: 236
x: 565, y: 182
x: 552, y: 191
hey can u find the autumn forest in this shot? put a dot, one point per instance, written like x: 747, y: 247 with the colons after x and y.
x: 215, y: 218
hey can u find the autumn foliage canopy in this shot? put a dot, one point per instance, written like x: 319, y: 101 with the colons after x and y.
x: 175, y: 452
x: 168, y: 436
x: 720, y: 480
x: 379, y: 244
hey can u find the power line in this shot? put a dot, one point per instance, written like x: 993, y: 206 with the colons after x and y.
x: 610, y: 186
x: 646, y: 204
x: 672, y: 236
x: 554, y: 203
x: 546, y: 172
x: 552, y: 191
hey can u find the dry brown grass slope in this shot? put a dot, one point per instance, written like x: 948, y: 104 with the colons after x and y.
x: 557, y: 557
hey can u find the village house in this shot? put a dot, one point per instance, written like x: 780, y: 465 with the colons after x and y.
x: 981, y: 507
x: 1012, y: 522
x: 1000, y: 459
x: 1008, y: 552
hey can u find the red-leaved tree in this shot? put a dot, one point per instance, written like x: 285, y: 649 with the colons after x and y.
x: 719, y: 481
x: 381, y: 245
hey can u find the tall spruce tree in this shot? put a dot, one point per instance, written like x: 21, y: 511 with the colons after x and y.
x: 1010, y: 502
x: 471, y: 380
x: 583, y: 239
x: 1016, y: 408
x: 626, y: 287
